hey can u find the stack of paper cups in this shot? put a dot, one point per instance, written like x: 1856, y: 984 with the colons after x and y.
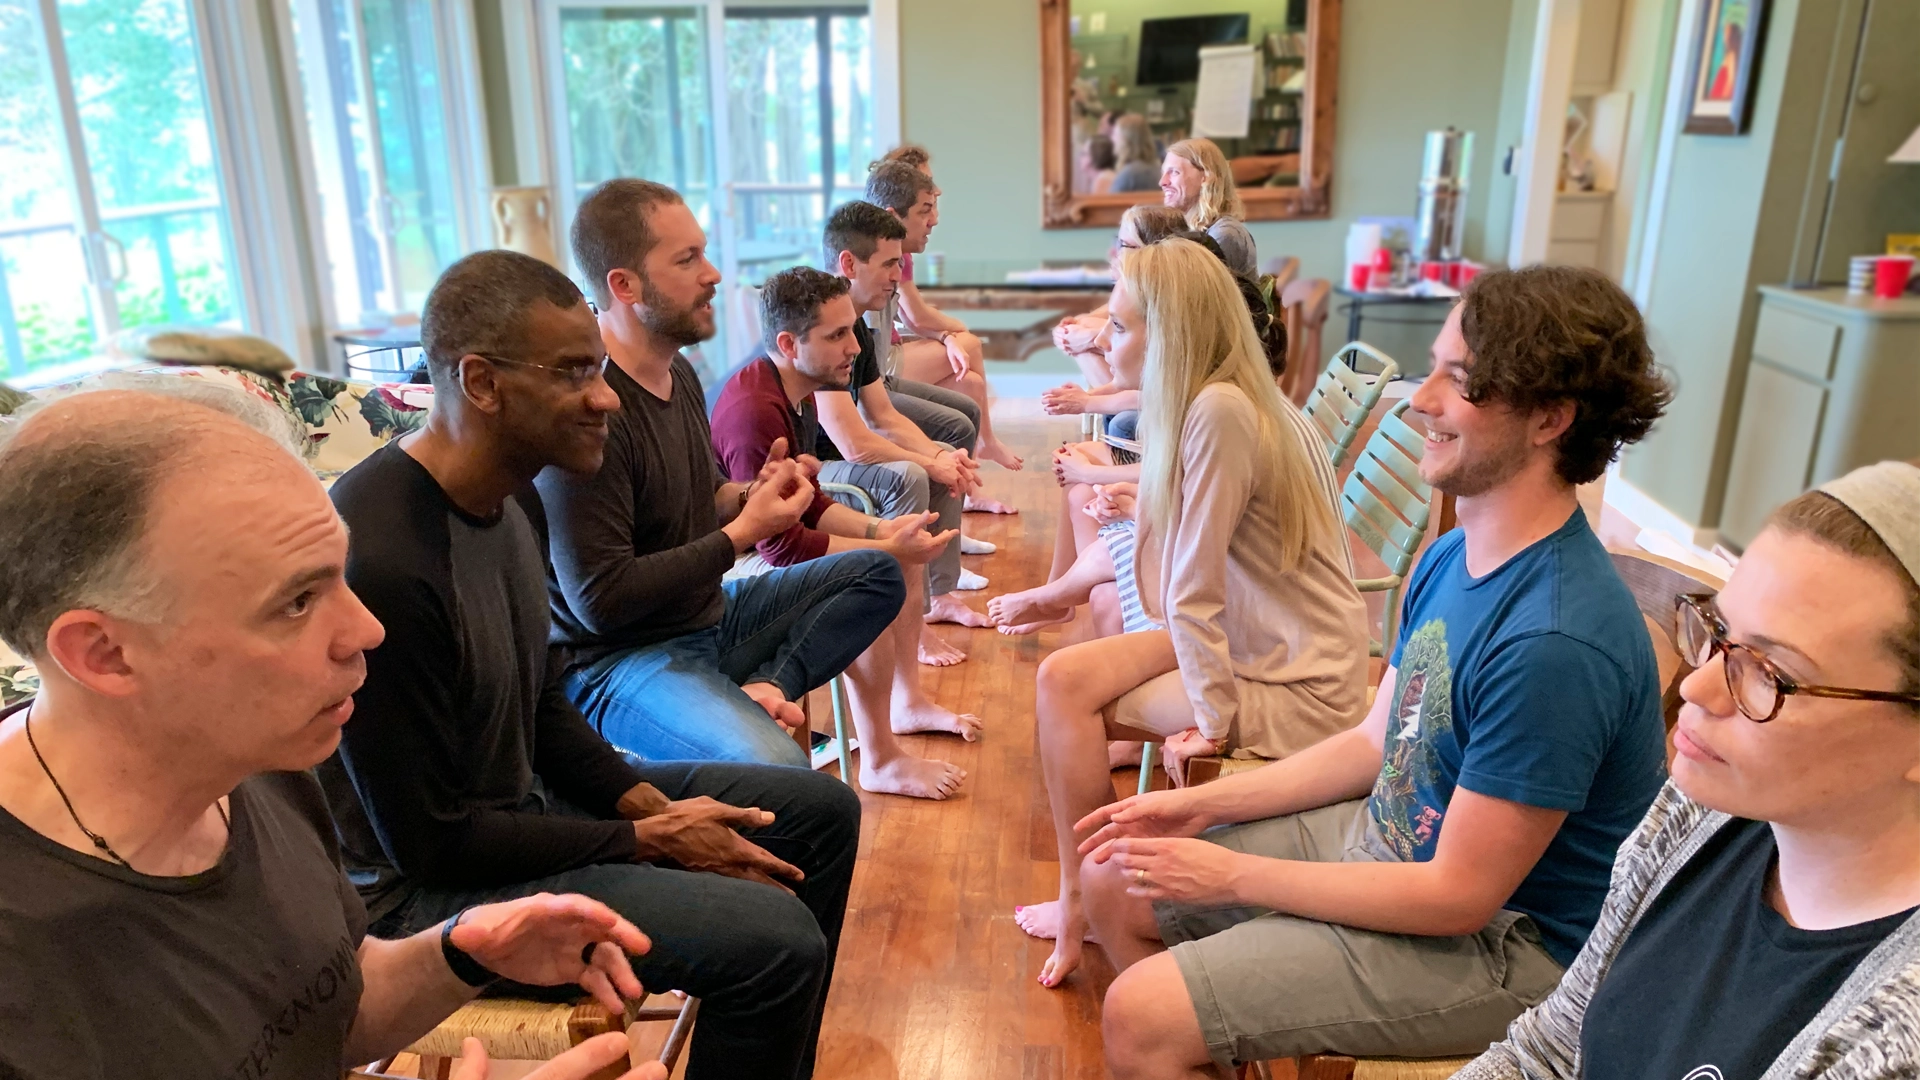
x: 1363, y: 239
x: 1860, y: 274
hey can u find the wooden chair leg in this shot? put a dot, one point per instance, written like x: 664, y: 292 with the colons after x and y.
x: 436, y: 1068
x: 682, y: 1031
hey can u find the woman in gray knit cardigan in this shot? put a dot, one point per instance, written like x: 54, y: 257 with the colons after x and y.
x: 1761, y: 921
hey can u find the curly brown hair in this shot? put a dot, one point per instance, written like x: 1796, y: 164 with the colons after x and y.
x: 1546, y: 334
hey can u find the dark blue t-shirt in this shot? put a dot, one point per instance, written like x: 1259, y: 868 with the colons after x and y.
x: 1535, y: 684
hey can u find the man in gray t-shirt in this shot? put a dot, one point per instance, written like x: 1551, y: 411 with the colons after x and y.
x: 171, y: 897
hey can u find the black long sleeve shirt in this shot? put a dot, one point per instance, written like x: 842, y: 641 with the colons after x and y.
x: 461, y: 710
x: 635, y: 550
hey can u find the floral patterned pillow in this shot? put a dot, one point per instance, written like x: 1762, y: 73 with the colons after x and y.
x: 18, y: 679
x: 344, y: 420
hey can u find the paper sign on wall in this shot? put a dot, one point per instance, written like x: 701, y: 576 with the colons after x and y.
x: 1223, y: 102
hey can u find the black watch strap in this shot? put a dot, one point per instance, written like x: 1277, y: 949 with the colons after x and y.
x: 465, y: 968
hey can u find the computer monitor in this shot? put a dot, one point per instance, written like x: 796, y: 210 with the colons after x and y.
x: 1170, y: 48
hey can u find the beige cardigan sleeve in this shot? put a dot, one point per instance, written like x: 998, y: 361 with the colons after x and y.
x: 1217, y: 483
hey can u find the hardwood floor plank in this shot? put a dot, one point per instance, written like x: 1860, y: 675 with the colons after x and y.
x: 935, y: 981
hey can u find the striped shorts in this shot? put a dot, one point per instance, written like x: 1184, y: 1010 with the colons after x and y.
x: 1119, y: 538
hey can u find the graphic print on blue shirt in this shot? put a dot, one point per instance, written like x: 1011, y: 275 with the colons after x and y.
x: 1407, y: 804
x: 1534, y: 684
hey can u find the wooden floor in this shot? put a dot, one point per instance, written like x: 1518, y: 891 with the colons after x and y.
x: 934, y: 978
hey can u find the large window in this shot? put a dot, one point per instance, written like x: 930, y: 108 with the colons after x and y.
x: 111, y: 210
x: 378, y: 109
x: 634, y: 88
x: 801, y: 127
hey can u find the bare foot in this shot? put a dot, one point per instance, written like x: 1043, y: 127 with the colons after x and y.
x: 916, y: 778
x: 928, y: 717
x: 1043, y: 921
x: 1064, y: 959
x: 1024, y: 612
x: 980, y: 504
x: 936, y: 652
x: 950, y: 608
x: 771, y: 698
x: 1123, y: 755
x: 995, y: 450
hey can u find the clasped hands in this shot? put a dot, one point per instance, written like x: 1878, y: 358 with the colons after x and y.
x: 779, y: 495
x: 955, y: 469
x: 1067, y: 399
x: 1077, y: 333
x: 1113, y: 502
x: 701, y: 834
x: 1070, y: 464
x: 1153, y: 840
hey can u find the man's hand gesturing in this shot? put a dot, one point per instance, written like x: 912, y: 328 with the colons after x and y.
x: 699, y: 834
x: 776, y: 499
x: 548, y: 940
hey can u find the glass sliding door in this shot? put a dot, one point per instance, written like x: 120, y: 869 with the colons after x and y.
x: 634, y: 88
x: 636, y: 95
x: 380, y: 116
x: 111, y: 212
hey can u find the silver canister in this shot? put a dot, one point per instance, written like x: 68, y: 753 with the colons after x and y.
x: 1442, y: 213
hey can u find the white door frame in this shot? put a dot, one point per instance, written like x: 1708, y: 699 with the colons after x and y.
x: 1549, y: 87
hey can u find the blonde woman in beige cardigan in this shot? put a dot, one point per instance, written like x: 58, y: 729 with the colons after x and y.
x: 1241, y: 557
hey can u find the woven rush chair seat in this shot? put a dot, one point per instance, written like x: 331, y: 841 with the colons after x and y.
x: 516, y: 1029
x: 1338, y: 1067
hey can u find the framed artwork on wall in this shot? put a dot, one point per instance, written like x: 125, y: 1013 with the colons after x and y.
x: 1726, y: 65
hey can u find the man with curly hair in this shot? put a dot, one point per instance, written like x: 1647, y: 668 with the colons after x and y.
x: 1406, y: 888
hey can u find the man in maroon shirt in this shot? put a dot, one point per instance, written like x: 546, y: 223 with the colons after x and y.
x: 809, y: 321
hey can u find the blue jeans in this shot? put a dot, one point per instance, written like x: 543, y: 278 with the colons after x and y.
x: 796, y: 627
x: 759, y: 960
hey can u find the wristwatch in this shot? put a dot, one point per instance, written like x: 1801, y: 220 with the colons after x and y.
x: 746, y: 491
x: 873, y: 528
x: 464, y: 967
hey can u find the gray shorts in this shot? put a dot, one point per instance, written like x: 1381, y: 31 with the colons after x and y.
x: 1269, y: 986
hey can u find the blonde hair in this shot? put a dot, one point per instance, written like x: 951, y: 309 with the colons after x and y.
x: 1199, y: 334
x: 1133, y: 140
x: 1218, y: 197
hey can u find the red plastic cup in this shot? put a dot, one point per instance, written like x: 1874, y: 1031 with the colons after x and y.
x: 1357, y: 277
x: 1464, y: 274
x: 1433, y: 271
x: 1890, y: 276
x: 1383, y: 260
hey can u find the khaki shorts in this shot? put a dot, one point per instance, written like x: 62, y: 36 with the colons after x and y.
x: 1276, y: 719
x: 1268, y: 986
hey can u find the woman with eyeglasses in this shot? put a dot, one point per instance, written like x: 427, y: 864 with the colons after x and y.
x: 1762, y: 919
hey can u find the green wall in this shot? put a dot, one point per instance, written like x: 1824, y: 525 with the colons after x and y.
x: 1729, y: 226
x: 971, y: 90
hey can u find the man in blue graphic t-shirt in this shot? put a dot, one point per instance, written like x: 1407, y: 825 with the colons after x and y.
x: 1408, y: 887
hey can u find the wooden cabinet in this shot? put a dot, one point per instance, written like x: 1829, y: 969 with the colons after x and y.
x: 1834, y: 384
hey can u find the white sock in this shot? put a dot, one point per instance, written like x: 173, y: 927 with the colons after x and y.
x: 970, y: 582
x: 970, y: 546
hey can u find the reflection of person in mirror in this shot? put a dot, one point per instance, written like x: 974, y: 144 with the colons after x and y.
x: 1096, y: 164
x: 1727, y: 72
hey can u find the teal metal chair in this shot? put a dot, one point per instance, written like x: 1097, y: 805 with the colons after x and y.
x: 1341, y: 401
x: 837, y: 686
x: 1387, y: 505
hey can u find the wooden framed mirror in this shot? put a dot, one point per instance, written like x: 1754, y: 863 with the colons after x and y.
x: 1091, y: 56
